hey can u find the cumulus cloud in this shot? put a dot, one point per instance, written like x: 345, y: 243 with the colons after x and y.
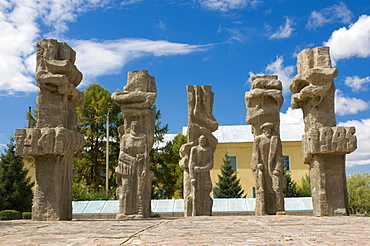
x: 345, y: 105
x: 97, y: 58
x: 356, y: 83
x: 226, y: 5
x: 361, y: 156
x: 284, y: 31
x: 335, y: 13
x: 353, y: 41
x: 291, y: 116
x: 20, y: 29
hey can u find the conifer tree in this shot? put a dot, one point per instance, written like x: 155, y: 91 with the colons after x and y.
x: 15, y: 186
x: 228, y: 185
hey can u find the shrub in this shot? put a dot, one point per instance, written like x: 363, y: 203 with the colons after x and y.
x: 10, y: 215
x: 27, y: 215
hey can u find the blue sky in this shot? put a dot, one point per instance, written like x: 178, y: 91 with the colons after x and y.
x: 207, y: 42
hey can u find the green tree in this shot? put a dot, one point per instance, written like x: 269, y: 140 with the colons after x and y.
x: 304, y: 190
x: 168, y: 176
x: 15, y: 186
x: 89, y: 162
x: 358, y: 186
x: 228, y: 185
x: 31, y: 117
x: 291, y: 188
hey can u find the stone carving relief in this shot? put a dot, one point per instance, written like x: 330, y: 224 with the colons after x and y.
x: 197, y: 154
x: 53, y: 141
x: 263, y: 103
x: 324, y: 144
x: 133, y: 176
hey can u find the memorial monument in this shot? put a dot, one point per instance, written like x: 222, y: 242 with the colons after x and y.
x: 197, y: 153
x: 133, y: 176
x: 53, y: 141
x: 324, y: 144
x: 263, y: 103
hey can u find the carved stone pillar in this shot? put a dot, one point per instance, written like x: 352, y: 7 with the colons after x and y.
x: 133, y: 176
x: 263, y: 103
x: 53, y: 141
x: 324, y: 144
x: 197, y: 154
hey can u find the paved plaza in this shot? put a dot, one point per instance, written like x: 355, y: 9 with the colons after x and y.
x: 215, y: 230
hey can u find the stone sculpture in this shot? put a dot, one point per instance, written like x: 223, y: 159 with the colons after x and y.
x: 197, y: 154
x: 53, y: 141
x: 133, y: 176
x: 324, y: 144
x: 263, y: 103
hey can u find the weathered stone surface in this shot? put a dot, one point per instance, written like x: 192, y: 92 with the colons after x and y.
x: 263, y: 103
x: 53, y: 141
x: 197, y: 154
x: 133, y: 176
x: 324, y: 144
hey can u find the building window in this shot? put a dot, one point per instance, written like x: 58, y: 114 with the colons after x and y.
x: 254, y: 192
x: 286, y: 162
x: 232, y: 160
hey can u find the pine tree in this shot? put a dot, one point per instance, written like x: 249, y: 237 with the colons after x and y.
x: 291, y: 188
x: 228, y: 185
x: 15, y: 186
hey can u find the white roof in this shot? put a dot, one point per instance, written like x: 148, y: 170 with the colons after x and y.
x: 243, y: 133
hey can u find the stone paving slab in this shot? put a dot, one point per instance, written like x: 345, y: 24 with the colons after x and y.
x: 214, y: 230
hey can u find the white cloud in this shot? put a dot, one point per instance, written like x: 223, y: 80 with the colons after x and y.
x: 284, y: 31
x: 361, y: 156
x: 291, y: 116
x: 96, y: 58
x: 226, y: 5
x: 353, y: 41
x: 348, y: 105
x: 128, y: 2
x: 20, y: 29
x: 356, y: 83
x: 335, y: 13
x: 284, y: 73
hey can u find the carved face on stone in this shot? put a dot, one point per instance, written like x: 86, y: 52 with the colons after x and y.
x: 134, y: 127
x: 266, y: 129
x: 202, y: 141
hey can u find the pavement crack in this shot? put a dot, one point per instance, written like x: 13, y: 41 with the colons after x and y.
x: 142, y: 230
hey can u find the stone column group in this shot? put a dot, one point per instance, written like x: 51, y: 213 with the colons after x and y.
x: 53, y: 141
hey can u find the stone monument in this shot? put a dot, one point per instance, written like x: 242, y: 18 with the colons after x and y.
x: 324, y: 144
x: 53, y: 142
x: 133, y: 176
x: 263, y: 103
x: 197, y: 153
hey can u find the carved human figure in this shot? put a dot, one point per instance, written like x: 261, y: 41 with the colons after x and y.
x: 53, y: 141
x: 129, y: 172
x: 267, y: 158
x: 197, y: 154
x: 200, y: 164
x: 324, y: 144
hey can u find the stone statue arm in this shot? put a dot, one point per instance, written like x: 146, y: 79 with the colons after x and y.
x: 304, y: 86
x: 126, y: 163
x: 192, y: 162
x: 255, y: 154
x: 278, y: 156
x: 208, y: 166
x: 134, y: 99
x: 65, y: 67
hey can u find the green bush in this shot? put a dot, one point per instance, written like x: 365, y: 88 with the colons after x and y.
x: 27, y: 215
x: 10, y: 215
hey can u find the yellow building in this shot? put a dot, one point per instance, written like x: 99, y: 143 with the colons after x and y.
x: 237, y: 142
